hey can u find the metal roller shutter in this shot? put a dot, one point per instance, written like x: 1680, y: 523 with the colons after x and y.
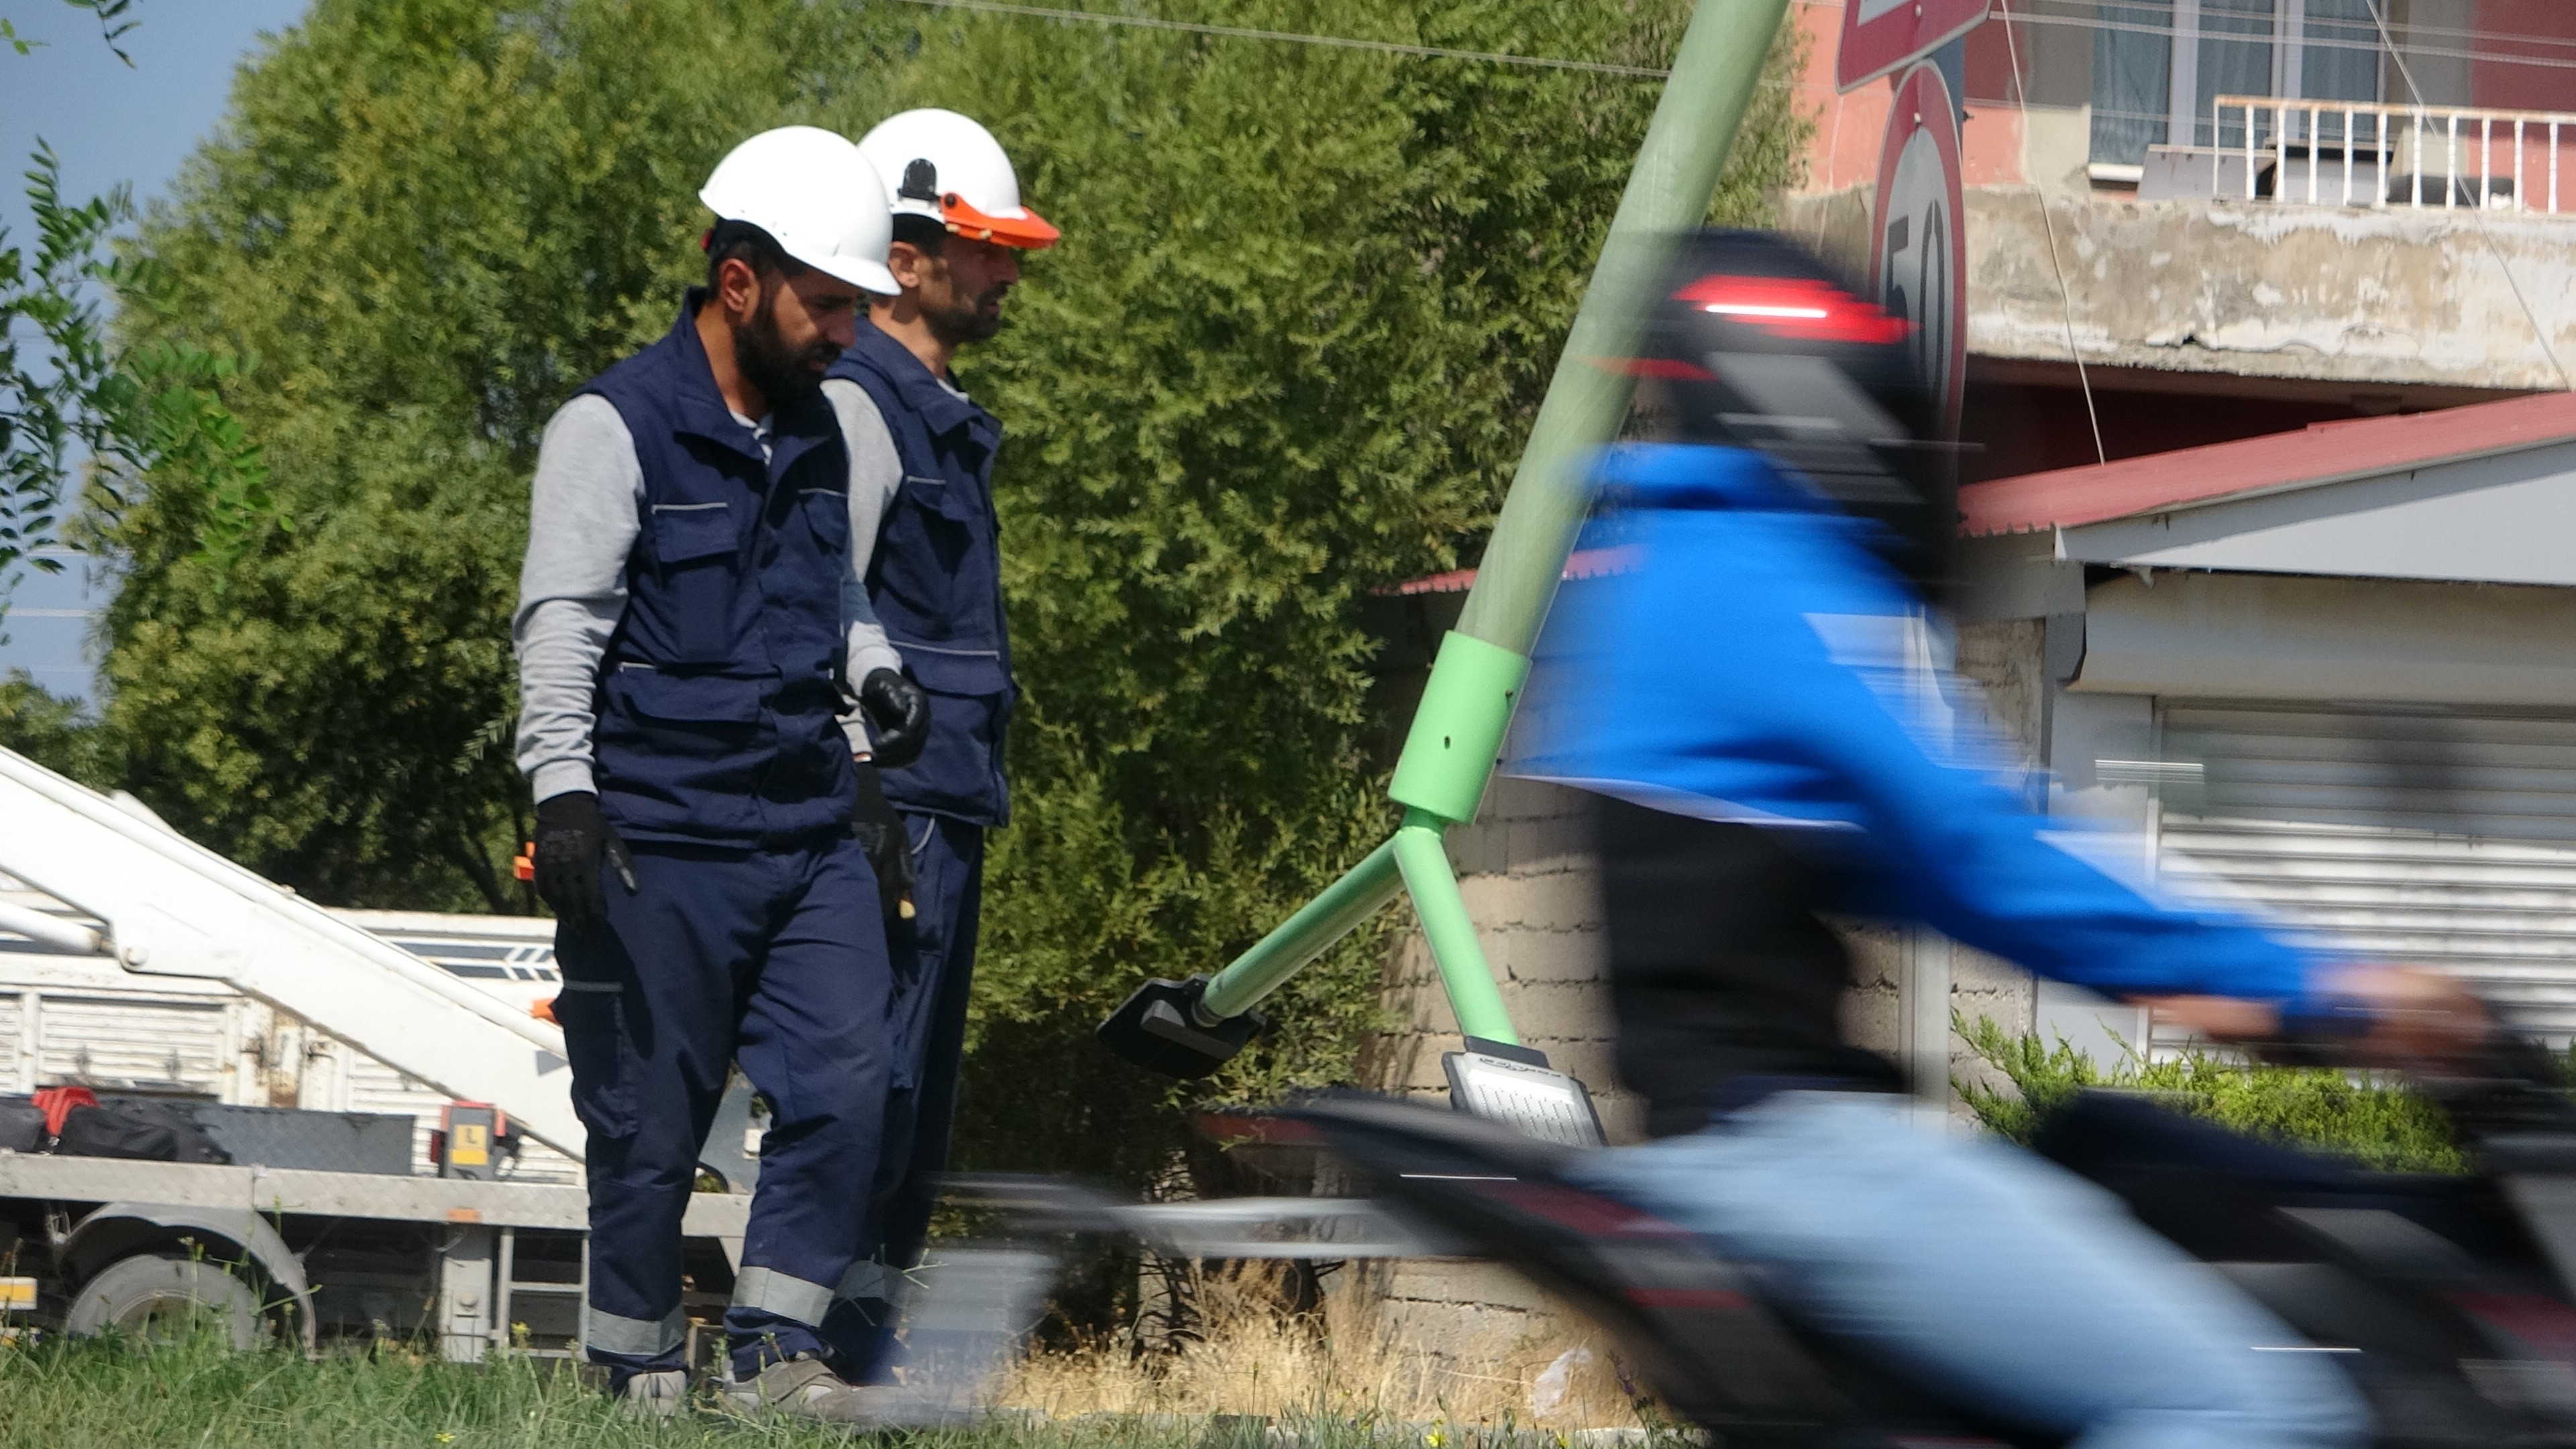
x: 2430, y: 836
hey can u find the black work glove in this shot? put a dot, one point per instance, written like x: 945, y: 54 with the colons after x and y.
x: 879, y: 832
x: 898, y: 716
x: 572, y: 838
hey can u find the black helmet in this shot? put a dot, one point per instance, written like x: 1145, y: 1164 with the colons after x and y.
x: 1754, y: 343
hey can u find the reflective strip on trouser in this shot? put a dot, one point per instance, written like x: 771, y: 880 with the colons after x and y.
x: 868, y: 1278
x: 640, y: 1337
x: 771, y: 1291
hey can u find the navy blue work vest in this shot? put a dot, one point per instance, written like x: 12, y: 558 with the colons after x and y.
x: 718, y: 694
x: 936, y: 580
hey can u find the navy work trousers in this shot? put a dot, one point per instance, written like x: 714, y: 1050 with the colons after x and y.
x: 934, y: 973
x: 774, y: 958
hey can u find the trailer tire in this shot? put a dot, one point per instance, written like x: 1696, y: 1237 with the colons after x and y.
x: 151, y: 1296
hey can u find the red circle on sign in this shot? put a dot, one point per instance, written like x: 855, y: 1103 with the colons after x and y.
x: 1918, y: 249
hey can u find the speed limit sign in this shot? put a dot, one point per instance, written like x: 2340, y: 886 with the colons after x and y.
x: 1918, y: 253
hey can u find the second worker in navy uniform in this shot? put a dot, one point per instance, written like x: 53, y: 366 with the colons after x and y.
x: 682, y: 673
x: 927, y: 637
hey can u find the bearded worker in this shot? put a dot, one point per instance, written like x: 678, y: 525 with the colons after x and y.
x: 926, y: 634
x: 680, y: 645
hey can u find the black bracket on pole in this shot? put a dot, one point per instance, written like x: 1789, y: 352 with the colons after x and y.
x: 1163, y: 1029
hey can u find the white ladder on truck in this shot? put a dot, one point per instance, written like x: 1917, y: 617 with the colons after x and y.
x: 164, y: 905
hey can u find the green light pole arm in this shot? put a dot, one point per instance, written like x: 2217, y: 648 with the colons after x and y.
x: 1458, y: 729
x: 1362, y: 892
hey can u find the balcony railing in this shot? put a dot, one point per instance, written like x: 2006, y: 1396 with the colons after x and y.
x: 2351, y: 153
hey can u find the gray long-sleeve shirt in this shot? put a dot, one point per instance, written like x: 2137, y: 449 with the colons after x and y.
x: 583, y: 521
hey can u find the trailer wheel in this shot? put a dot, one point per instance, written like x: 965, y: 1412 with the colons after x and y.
x: 155, y: 1298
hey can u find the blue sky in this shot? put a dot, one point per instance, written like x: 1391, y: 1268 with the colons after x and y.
x: 109, y: 124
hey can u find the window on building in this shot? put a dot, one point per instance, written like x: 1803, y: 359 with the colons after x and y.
x: 2132, y: 80
x: 2339, y: 57
x: 2159, y: 64
x: 2234, y: 56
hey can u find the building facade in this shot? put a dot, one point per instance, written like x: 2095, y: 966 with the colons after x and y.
x: 2262, y: 556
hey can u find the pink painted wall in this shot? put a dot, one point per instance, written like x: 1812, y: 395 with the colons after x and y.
x: 1851, y: 128
x: 2509, y: 35
x: 2503, y: 85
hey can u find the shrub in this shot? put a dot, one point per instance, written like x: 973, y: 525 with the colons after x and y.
x: 2379, y: 1126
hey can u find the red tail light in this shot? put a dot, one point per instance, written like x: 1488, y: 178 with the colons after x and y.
x: 1800, y: 309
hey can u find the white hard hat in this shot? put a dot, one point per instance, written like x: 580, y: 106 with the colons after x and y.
x: 943, y: 166
x: 812, y: 191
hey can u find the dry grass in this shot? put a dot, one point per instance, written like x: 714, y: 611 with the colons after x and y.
x: 1248, y: 1358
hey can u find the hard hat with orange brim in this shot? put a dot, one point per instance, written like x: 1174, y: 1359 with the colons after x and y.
x: 941, y: 165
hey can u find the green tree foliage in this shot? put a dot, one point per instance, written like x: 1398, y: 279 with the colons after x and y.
x: 115, y: 18
x: 71, y: 400
x: 2378, y: 1126
x: 55, y: 733
x: 76, y: 405
x: 1286, y: 355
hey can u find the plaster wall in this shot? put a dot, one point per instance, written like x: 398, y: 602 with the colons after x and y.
x: 2395, y: 297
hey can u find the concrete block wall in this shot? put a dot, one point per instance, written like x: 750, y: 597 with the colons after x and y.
x: 2004, y: 661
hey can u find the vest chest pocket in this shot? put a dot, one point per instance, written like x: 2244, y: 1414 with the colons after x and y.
x: 941, y: 497
x: 696, y: 554
x: 927, y: 541
x: 827, y: 515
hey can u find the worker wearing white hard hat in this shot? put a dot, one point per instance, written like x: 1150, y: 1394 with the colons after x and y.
x: 701, y: 835
x: 940, y: 165
x: 927, y: 616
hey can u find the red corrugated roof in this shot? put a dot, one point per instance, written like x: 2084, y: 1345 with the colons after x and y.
x: 2318, y: 454
x: 1583, y: 563
x: 2321, y: 453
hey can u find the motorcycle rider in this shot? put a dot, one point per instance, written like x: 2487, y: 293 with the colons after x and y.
x: 1749, y: 699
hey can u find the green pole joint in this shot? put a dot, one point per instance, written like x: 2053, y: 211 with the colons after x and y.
x: 1458, y: 728
x: 1362, y: 892
x: 1473, y: 996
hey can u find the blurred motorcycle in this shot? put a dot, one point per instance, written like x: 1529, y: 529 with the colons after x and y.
x: 2446, y: 1299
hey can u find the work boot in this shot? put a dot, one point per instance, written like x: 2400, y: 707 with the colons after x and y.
x: 655, y: 1395
x: 805, y: 1388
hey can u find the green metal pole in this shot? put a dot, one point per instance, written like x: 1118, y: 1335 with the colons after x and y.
x: 1668, y: 193
x: 1475, y: 682
x: 1361, y: 893
x: 1473, y: 996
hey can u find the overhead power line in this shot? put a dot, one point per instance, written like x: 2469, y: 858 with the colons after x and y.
x: 1339, y: 42
x: 1645, y: 72
x: 2374, y: 24
x: 2313, y: 42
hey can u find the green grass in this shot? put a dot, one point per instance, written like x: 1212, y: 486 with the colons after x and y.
x: 194, y: 1394
x: 118, y: 1395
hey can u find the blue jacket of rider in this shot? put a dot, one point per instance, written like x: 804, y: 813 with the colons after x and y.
x: 1742, y: 653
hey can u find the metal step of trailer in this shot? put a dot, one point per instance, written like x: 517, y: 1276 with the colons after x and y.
x: 118, y: 884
